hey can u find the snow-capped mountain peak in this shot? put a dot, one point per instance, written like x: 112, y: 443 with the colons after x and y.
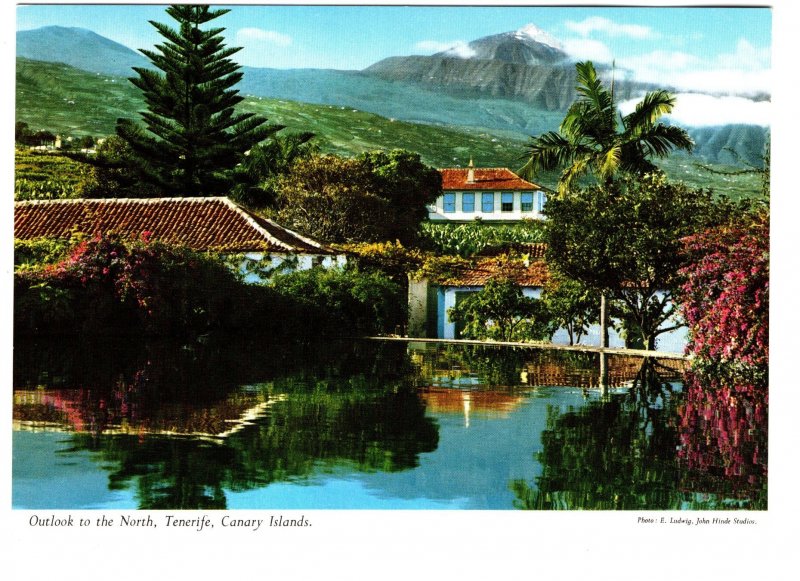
x: 536, y: 34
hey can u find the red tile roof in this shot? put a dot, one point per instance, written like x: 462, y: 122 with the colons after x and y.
x: 199, y: 223
x: 486, y: 178
x: 533, y: 274
x: 533, y: 250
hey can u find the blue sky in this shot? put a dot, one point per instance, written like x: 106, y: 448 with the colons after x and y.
x: 353, y: 37
x: 718, y: 50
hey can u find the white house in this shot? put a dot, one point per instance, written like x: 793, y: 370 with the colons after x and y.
x: 431, y: 300
x: 204, y: 224
x: 491, y: 194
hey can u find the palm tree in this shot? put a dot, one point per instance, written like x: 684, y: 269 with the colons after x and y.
x: 594, y: 138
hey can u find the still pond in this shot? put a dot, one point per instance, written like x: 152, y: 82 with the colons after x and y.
x: 370, y: 425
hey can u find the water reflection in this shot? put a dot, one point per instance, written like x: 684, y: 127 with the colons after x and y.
x: 614, y: 453
x: 384, y: 425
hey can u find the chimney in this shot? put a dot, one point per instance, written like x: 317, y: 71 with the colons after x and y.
x: 470, y: 173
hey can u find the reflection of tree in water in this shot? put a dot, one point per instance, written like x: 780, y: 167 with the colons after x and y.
x: 615, y: 453
x: 619, y: 452
x: 723, y: 436
x: 324, y: 411
x: 301, y: 435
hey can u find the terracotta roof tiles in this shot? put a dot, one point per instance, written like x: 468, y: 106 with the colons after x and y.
x: 198, y: 223
x: 486, y: 178
x: 532, y: 274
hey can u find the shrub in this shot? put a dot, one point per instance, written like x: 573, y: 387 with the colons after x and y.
x: 466, y: 240
x: 108, y: 286
x: 725, y: 299
x: 342, y: 301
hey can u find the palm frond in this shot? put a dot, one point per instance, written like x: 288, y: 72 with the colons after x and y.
x: 661, y: 139
x: 591, y: 90
x: 609, y: 161
x: 548, y: 151
x: 572, y: 172
x: 649, y: 110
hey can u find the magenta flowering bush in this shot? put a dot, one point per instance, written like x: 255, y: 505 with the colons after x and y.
x: 724, y: 417
x: 723, y: 435
x: 725, y: 299
x: 110, y: 286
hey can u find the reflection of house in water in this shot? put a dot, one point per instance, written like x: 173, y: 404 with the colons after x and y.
x: 622, y: 371
x: 483, y: 402
x: 77, y: 410
x: 496, y: 392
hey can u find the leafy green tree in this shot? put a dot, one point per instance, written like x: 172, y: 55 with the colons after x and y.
x: 572, y: 306
x: 623, y: 239
x: 595, y: 139
x: 615, y: 454
x: 21, y: 131
x: 330, y: 198
x: 408, y: 185
x: 113, y: 174
x: 192, y: 136
x: 501, y: 312
x: 372, y: 198
x: 257, y: 174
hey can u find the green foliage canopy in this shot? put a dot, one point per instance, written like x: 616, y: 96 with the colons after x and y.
x: 623, y: 239
x: 372, y: 198
x: 501, y: 312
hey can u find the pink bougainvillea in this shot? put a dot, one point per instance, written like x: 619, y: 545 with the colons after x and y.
x: 725, y: 301
x: 107, y: 284
x: 725, y: 297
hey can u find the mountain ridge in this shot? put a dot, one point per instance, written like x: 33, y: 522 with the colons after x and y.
x: 513, y: 97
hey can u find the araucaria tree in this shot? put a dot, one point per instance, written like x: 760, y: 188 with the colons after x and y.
x: 192, y: 135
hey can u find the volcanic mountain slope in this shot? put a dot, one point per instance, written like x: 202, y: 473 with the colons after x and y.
x: 80, y: 48
x: 526, y: 65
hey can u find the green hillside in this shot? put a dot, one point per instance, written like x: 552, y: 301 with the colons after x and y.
x: 69, y: 101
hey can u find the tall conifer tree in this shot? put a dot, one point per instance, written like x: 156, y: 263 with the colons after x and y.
x: 193, y: 136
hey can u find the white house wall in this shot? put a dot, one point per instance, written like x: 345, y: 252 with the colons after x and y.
x: 284, y: 263
x: 436, y: 212
x: 671, y: 342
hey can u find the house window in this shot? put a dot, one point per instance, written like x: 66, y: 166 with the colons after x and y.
x: 487, y: 203
x: 449, y: 203
x: 468, y: 203
x: 540, y: 199
x: 526, y: 202
x: 506, y: 202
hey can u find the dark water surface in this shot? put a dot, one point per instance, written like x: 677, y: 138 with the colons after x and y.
x: 370, y: 425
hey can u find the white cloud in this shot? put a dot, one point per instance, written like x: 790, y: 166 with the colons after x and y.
x: 696, y: 110
x: 244, y: 35
x: 457, y: 48
x: 584, y: 49
x: 593, y: 24
x: 745, y: 72
x: 746, y: 57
